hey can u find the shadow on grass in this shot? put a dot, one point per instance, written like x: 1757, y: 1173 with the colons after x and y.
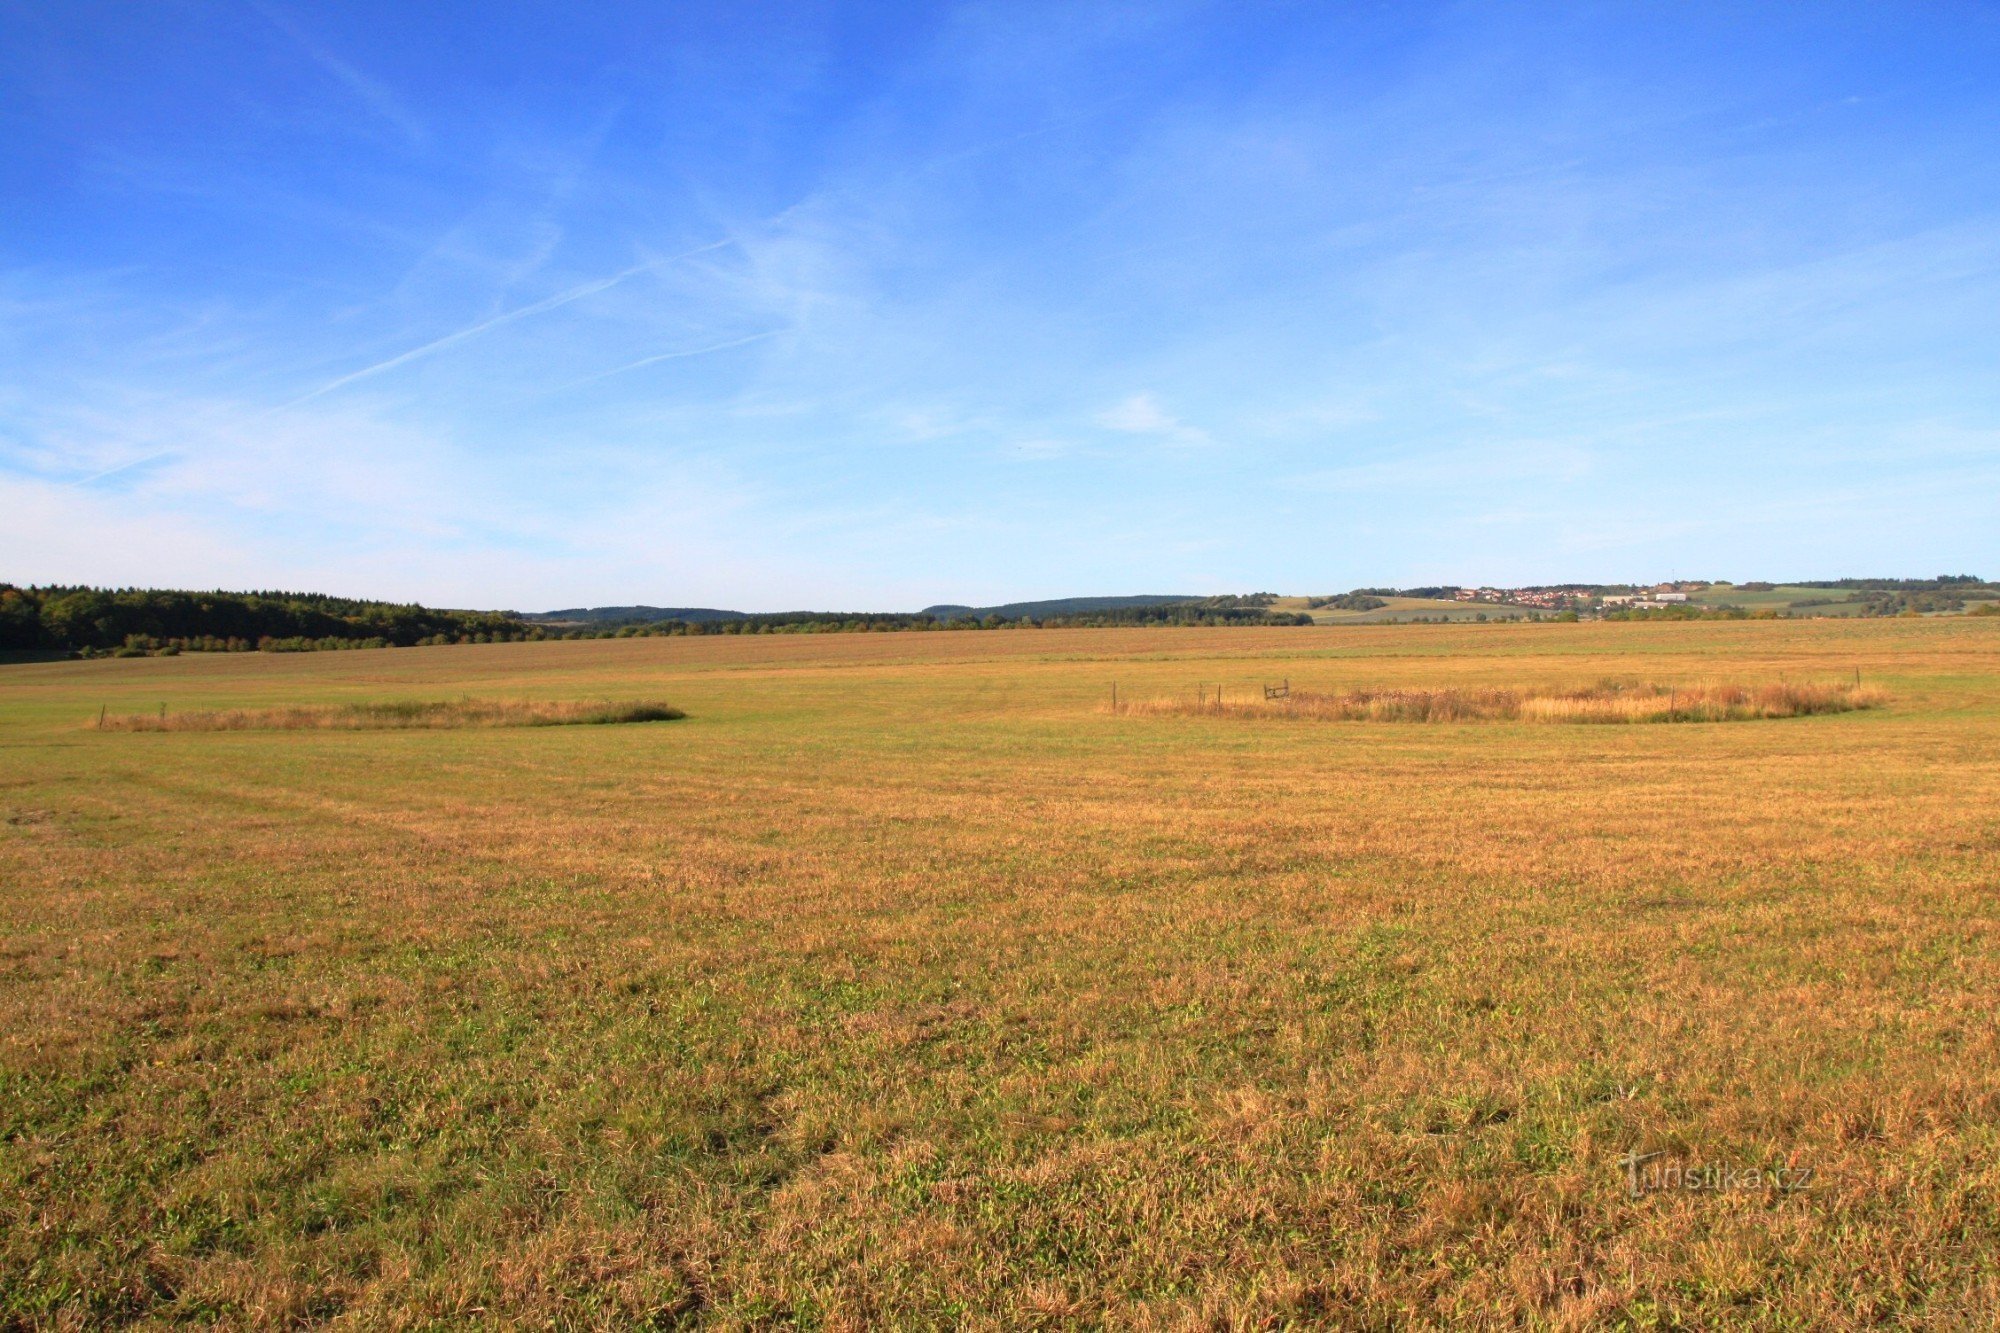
x: 397, y: 716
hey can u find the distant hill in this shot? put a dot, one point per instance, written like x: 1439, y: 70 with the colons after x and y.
x: 630, y: 615
x: 1060, y: 606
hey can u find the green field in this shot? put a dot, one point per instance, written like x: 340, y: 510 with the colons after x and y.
x: 1781, y: 597
x: 902, y: 983
x: 1403, y: 609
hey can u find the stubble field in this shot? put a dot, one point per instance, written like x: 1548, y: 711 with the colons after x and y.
x: 902, y: 983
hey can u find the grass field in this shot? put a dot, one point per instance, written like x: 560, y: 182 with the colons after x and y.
x: 1783, y: 597
x: 903, y: 983
x: 1402, y: 609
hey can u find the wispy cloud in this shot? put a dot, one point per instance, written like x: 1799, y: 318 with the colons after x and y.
x: 560, y: 299
x: 1141, y: 414
x: 680, y: 355
x: 1177, y: 296
x: 371, y: 93
x: 123, y: 468
x: 1483, y: 467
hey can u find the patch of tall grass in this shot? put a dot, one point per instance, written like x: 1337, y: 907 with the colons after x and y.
x: 1605, y: 702
x: 397, y: 716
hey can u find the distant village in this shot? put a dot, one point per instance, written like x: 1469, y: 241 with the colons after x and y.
x: 1944, y: 595
x: 1657, y: 598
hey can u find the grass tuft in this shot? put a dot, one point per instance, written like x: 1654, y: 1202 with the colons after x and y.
x: 1607, y: 701
x: 400, y: 715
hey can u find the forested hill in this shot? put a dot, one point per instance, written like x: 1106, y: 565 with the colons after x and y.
x: 150, y: 620
x: 631, y: 615
x: 1058, y: 606
x: 947, y: 611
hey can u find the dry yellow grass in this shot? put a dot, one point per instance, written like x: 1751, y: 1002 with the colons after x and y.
x: 1606, y: 701
x: 900, y: 985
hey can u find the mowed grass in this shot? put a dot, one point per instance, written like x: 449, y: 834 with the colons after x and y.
x: 902, y: 983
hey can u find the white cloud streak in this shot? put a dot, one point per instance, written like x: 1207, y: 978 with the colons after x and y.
x: 1141, y: 414
x: 122, y: 467
x: 449, y: 340
x: 369, y: 92
x: 681, y: 355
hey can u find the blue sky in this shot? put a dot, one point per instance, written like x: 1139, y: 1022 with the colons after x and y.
x: 873, y: 306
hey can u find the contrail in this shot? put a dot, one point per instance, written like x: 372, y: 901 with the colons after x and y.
x: 122, y: 467
x: 671, y: 356
x: 370, y: 93
x: 539, y: 307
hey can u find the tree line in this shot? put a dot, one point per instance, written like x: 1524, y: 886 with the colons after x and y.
x: 134, y: 622
x: 137, y: 621
x: 1251, y: 609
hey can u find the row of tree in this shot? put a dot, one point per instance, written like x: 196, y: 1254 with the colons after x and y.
x: 104, y: 620
x: 1250, y: 610
x: 137, y: 621
x: 1920, y: 601
x: 1696, y: 611
x: 1942, y: 583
